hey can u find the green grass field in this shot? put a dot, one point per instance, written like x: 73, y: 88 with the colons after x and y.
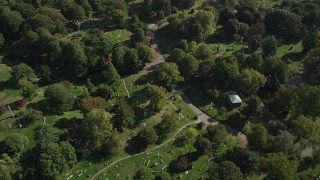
x: 4, y: 72
x: 167, y: 154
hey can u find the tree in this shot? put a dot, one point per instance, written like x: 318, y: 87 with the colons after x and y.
x: 283, y: 23
x: 26, y: 10
x: 216, y: 133
x: 167, y: 125
x: 311, y: 41
x: 97, y: 48
x: 56, y: 159
x: 10, y: 21
x: 254, y: 42
x: 96, y: 129
x: 111, y: 75
x: 203, y: 52
x: 28, y: 89
x: 117, y: 57
x: 89, y: 103
x: 74, y: 57
x: 204, y: 25
x: 58, y: 98
x: 74, y: 12
x: 9, y: 167
x: 41, y: 21
x: 1, y: 40
x: 157, y: 96
x: 307, y: 128
x: 182, y: 163
x: 226, y: 170
x: 253, y: 110
x: 286, y: 142
x: 22, y: 71
x: 144, y: 53
x: 312, y: 65
x: 124, y: 115
x: 189, y: 65
x: 138, y: 35
x: 232, y: 28
x: 203, y: 145
x: 277, y: 166
x: 245, y: 159
x: 31, y: 116
x: 132, y: 62
x: 226, y: 71
x: 14, y: 143
x: 259, y: 139
x: 163, y: 8
x: 168, y: 75
x: 114, y: 145
x: 143, y: 173
x: 249, y: 81
x: 147, y: 136
x: 46, y: 134
x: 269, y: 46
x: 274, y: 68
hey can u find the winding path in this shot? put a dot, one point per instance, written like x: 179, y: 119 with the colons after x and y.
x: 202, y: 117
x: 129, y: 156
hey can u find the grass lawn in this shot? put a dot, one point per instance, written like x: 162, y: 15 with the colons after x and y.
x: 227, y: 49
x: 135, y: 84
x: 118, y: 35
x: 8, y: 125
x: 167, y: 154
x: 196, y: 91
x: 4, y: 72
x: 115, y: 35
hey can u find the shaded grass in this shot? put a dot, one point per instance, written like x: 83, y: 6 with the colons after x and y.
x: 5, y: 72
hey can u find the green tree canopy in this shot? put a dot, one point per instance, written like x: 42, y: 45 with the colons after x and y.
x: 145, y: 53
x: 96, y: 129
x: 147, y: 136
x: 249, y: 81
x: 225, y: 170
x: 157, y: 96
x: 22, y: 71
x: 111, y: 75
x: 277, y: 166
x: 46, y: 134
x: 74, y: 12
x: 56, y: 159
x: 168, y: 75
x: 269, y: 46
x: 124, y: 115
x: 28, y: 89
x: 14, y: 143
x: 259, y: 139
x: 59, y: 98
x: 10, y: 21
x: 143, y: 173
x: 9, y: 167
x: 216, y: 133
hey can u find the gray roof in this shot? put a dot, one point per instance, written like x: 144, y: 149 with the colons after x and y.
x: 234, y: 98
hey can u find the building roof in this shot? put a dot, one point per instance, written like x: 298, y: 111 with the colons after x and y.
x: 234, y: 98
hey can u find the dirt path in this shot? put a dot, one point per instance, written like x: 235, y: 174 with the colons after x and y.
x: 157, y: 147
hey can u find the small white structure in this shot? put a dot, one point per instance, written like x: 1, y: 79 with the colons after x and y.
x: 234, y: 100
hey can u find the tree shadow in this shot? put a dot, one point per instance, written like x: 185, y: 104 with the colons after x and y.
x: 135, y: 146
x: 166, y: 40
x: 294, y: 56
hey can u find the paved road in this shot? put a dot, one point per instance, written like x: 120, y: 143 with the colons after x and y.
x: 202, y: 117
